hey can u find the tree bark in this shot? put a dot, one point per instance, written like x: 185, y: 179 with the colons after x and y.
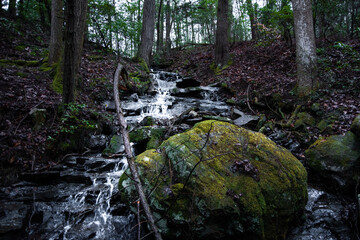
x: 251, y: 12
x: 12, y: 8
x: 125, y: 135
x: 168, y: 27
x: 56, y: 42
x: 159, y: 27
x: 305, y: 47
x: 147, y: 31
x: 74, y: 37
x: 222, y: 33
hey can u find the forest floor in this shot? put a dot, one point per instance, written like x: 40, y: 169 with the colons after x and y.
x: 258, y: 78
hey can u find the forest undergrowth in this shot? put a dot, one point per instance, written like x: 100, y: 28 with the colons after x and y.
x: 257, y: 78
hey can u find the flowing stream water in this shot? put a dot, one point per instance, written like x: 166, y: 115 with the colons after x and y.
x: 79, y: 199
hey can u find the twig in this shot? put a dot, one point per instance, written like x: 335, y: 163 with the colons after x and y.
x: 138, y: 217
x: 247, y: 99
x: 120, y: 71
x: 26, y: 117
x: 74, y: 154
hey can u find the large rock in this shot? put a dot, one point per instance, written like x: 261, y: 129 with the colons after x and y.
x: 220, y: 181
x: 336, y: 158
x: 355, y: 126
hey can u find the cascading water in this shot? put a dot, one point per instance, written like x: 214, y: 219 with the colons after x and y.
x: 159, y: 106
x: 79, y: 198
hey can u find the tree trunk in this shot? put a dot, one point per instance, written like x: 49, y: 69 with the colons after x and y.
x: 12, y: 8
x: 251, y: 12
x: 222, y: 33
x: 168, y: 27
x: 147, y: 31
x: 56, y: 42
x: 125, y: 135
x: 21, y: 9
x: 159, y: 27
x: 305, y: 47
x: 74, y: 37
x: 41, y: 12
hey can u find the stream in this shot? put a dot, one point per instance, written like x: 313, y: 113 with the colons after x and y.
x: 79, y: 198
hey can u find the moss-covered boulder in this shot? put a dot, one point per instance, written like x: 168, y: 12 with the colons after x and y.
x: 115, y: 146
x: 151, y: 137
x: 355, y: 126
x: 336, y: 159
x: 220, y: 181
x: 304, y: 119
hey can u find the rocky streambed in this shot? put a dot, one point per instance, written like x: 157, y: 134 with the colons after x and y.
x: 79, y: 198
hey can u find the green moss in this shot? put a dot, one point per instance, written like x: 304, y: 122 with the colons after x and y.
x: 57, y: 83
x: 263, y: 204
x: 322, y: 125
x: 334, y: 152
x: 94, y: 58
x: 355, y: 126
x: 21, y: 74
x: 143, y: 65
x: 115, y: 146
x: 20, y: 48
x: 304, y: 119
x: 153, y: 136
x: 20, y: 62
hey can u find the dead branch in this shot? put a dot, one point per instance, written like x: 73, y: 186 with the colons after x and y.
x: 125, y: 135
x: 247, y: 99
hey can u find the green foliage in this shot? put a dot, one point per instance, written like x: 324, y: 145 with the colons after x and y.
x: 57, y: 83
x: 71, y: 120
x: 338, y: 65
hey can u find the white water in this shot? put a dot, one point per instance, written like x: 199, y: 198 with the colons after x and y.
x: 99, y: 219
x: 165, y: 106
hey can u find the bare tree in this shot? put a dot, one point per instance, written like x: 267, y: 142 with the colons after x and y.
x: 147, y: 31
x: 12, y: 8
x: 56, y: 43
x: 305, y: 47
x: 222, y: 33
x: 120, y: 71
x: 160, y: 29
x: 74, y: 38
x: 168, y: 27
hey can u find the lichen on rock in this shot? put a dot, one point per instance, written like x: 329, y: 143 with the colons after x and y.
x: 218, y: 180
x: 336, y: 158
x: 355, y: 126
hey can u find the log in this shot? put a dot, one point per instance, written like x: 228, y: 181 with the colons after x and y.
x: 120, y: 70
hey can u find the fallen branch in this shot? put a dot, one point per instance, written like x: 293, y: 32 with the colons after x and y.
x: 120, y: 71
x: 26, y: 116
x: 247, y: 99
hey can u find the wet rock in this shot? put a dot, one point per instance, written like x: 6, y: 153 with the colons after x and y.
x: 194, y: 92
x: 336, y: 158
x: 322, y: 125
x: 151, y: 137
x: 147, y: 121
x: 96, y: 142
x: 71, y: 176
x: 115, y: 146
x: 304, y: 119
x: 245, y: 119
x: 217, y: 118
x: 12, y: 216
x: 41, y: 177
x: 355, y: 126
x: 187, y: 82
x: 239, y: 184
x: 327, y: 217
